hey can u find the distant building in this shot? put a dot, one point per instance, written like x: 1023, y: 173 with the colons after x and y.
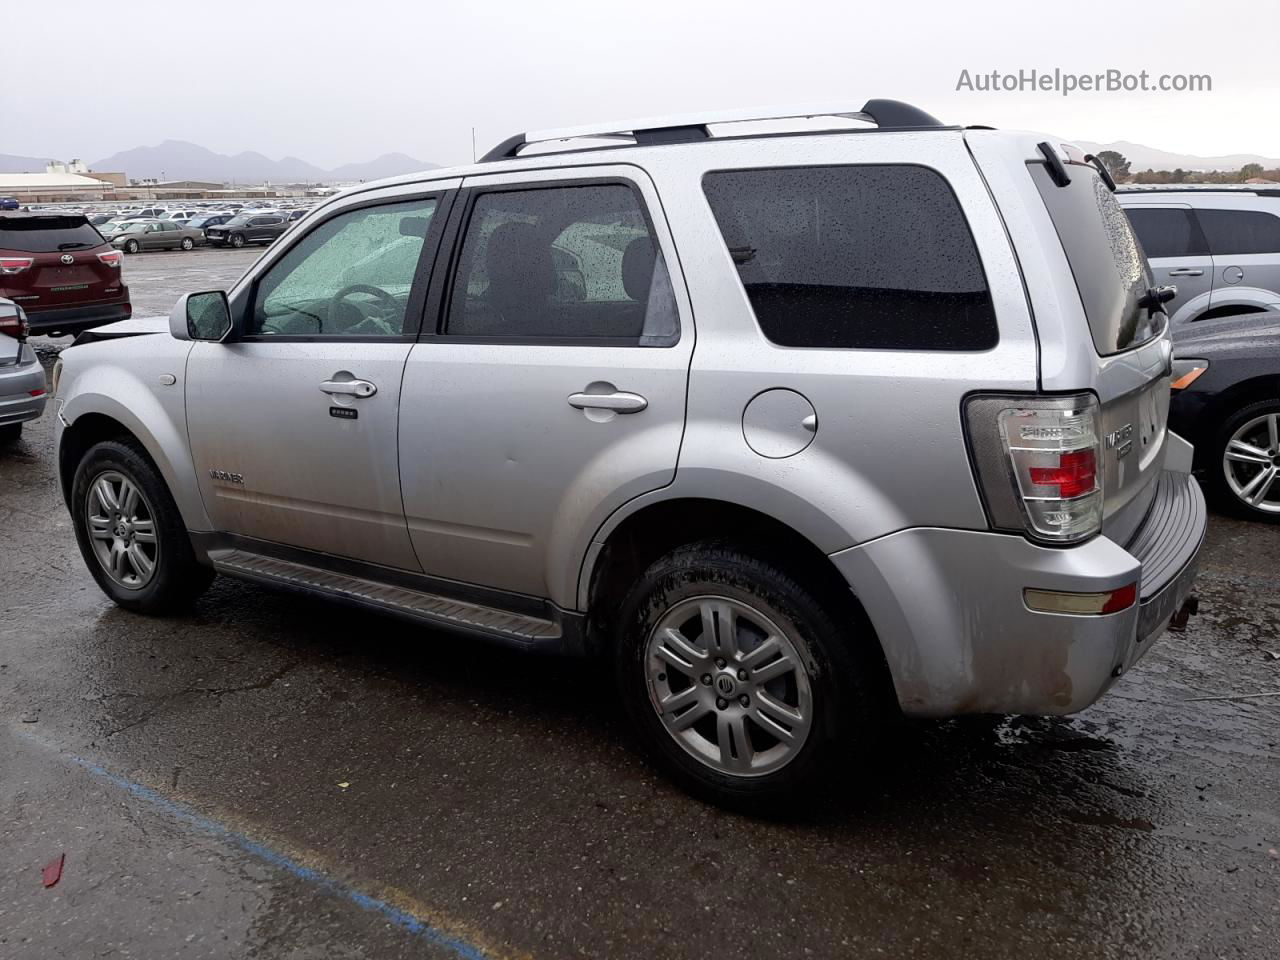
x: 1263, y: 182
x: 53, y: 187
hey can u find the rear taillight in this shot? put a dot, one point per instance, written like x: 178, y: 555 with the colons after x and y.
x: 111, y: 258
x: 14, y: 326
x: 1037, y: 460
x: 9, y: 265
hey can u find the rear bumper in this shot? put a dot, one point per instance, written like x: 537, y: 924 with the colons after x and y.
x: 17, y: 405
x: 958, y: 637
x: 82, y: 317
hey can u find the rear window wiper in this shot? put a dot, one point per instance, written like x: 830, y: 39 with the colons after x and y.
x: 1103, y: 172
x: 75, y: 245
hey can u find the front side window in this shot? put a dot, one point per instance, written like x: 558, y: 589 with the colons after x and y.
x: 567, y: 263
x: 1241, y: 232
x: 872, y: 256
x: 1167, y: 232
x: 350, y: 276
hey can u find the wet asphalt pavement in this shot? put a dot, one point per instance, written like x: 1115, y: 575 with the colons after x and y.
x: 275, y: 777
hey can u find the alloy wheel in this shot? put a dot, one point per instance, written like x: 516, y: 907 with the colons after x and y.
x: 729, y: 686
x: 1251, y: 463
x: 122, y: 530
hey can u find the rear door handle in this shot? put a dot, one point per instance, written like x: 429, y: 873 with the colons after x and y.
x: 349, y: 388
x: 1186, y: 272
x: 618, y: 402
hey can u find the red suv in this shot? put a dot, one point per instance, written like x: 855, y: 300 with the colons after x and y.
x: 61, y: 271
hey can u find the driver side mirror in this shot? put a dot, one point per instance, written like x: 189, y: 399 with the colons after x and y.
x: 201, y: 316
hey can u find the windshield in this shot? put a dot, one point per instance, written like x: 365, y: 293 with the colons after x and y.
x: 47, y: 234
x: 1105, y: 256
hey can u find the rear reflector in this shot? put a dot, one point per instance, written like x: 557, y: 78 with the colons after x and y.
x: 15, y: 326
x: 112, y: 258
x: 1061, y: 601
x: 12, y: 265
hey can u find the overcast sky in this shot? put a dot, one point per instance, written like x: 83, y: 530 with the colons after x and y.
x: 338, y: 82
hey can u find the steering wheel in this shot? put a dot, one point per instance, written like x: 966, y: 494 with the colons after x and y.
x: 390, y: 306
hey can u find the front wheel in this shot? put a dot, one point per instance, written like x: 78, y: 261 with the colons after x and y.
x: 237, y: 240
x: 131, y: 246
x: 188, y: 243
x: 739, y: 679
x: 1245, y: 473
x: 130, y: 532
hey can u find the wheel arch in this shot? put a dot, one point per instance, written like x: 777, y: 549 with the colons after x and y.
x: 90, y: 419
x: 647, y: 533
x: 1225, y: 403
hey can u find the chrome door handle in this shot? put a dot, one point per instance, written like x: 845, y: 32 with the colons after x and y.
x: 618, y: 402
x: 350, y: 388
x: 1186, y: 272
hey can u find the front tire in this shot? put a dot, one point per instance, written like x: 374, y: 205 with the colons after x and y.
x: 739, y: 679
x: 1244, y: 474
x: 131, y: 246
x: 188, y: 243
x: 237, y: 240
x: 130, y: 532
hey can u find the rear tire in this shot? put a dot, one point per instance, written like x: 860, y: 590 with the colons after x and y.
x: 10, y: 434
x: 1241, y: 485
x: 143, y: 528
x: 710, y: 721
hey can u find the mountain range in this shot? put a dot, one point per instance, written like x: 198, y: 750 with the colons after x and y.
x: 180, y: 160
x: 1149, y: 158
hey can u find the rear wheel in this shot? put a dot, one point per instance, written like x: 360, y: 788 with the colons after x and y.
x: 739, y: 679
x: 188, y: 243
x: 130, y: 531
x: 10, y: 434
x: 131, y: 246
x: 237, y: 240
x: 1245, y: 475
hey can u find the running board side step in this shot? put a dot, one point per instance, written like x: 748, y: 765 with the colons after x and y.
x: 517, y: 629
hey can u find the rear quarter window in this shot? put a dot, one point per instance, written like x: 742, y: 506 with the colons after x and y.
x: 1241, y: 232
x: 1106, y: 259
x: 855, y: 256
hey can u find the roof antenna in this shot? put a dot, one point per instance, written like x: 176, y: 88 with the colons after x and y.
x: 473, y: 144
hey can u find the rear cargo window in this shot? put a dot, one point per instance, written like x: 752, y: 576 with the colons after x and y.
x: 1106, y: 259
x: 1167, y: 232
x: 870, y: 256
x: 47, y: 234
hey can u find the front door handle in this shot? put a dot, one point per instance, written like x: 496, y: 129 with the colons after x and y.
x: 349, y: 388
x: 1186, y: 272
x: 618, y: 401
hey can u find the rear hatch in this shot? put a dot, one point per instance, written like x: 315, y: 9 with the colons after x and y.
x: 1129, y: 331
x: 48, y: 261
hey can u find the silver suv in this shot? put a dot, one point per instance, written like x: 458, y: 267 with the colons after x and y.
x: 802, y: 430
x: 1221, y: 248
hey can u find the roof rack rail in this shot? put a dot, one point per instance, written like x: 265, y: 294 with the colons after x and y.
x: 885, y: 114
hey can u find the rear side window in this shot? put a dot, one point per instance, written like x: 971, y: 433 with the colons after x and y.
x: 1106, y: 259
x: 568, y: 263
x: 1240, y: 232
x: 873, y: 256
x: 1167, y: 232
x: 47, y: 234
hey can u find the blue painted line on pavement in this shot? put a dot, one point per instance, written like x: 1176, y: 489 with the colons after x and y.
x: 401, y: 918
